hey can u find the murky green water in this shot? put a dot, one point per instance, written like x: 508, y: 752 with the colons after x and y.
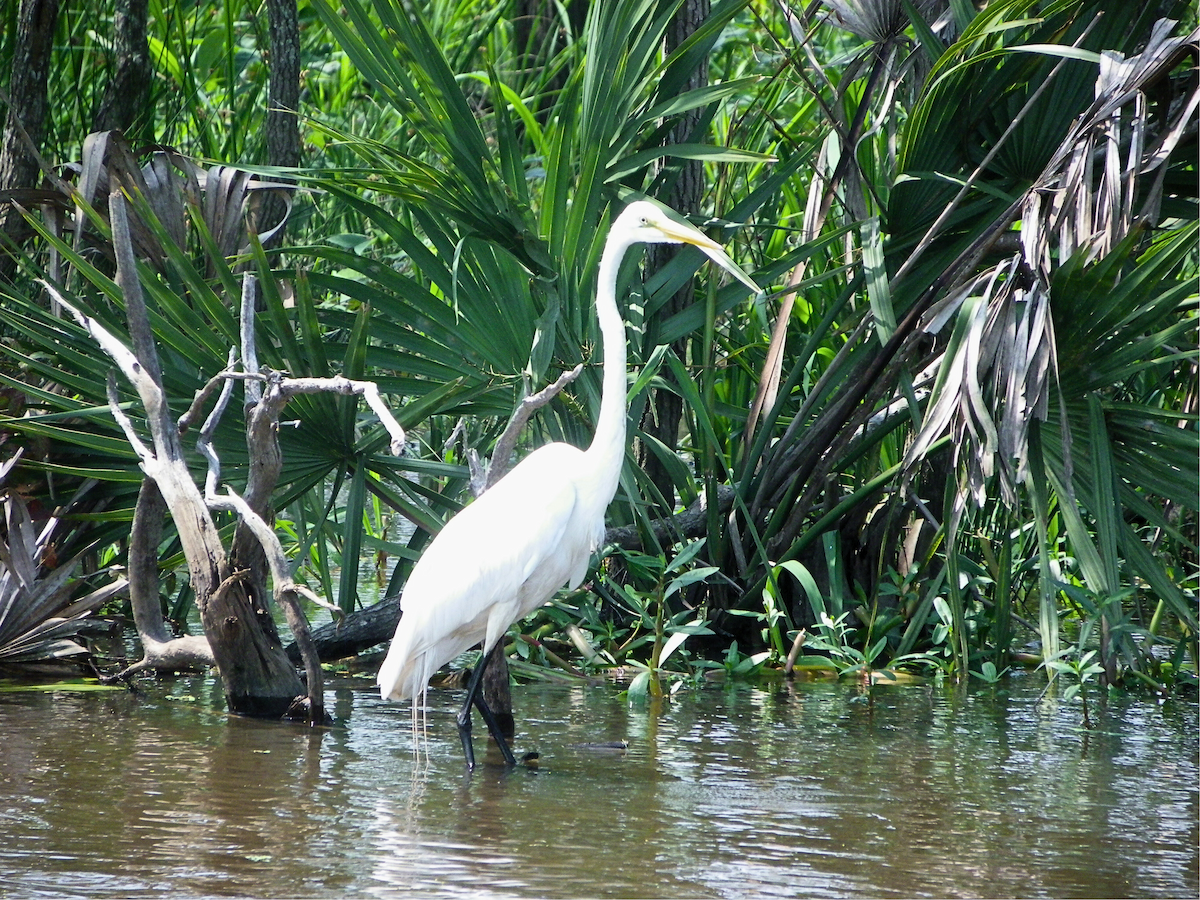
x: 729, y: 792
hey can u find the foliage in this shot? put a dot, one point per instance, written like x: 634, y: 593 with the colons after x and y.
x: 656, y: 623
x: 966, y: 419
x: 43, y: 606
x: 1079, y: 663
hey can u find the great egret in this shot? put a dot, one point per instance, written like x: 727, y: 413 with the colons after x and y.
x: 506, y: 553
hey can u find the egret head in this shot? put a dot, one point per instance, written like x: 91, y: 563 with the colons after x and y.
x: 647, y: 223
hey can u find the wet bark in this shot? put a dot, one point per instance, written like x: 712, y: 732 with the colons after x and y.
x: 360, y: 630
x: 497, y: 694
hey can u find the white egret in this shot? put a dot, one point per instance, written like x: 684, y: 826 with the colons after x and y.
x: 507, y: 553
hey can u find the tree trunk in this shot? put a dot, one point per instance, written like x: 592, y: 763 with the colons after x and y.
x: 497, y: 693
x: 26, y: 119
x: 283, y: 103
x: 160, y: 650
x: 662, y: 417
x: 125, y: 104
x: 535, y: 23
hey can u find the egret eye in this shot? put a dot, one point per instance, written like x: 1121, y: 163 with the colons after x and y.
x: 643, y: 221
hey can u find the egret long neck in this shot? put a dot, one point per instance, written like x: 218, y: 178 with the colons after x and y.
x: 607, y: 450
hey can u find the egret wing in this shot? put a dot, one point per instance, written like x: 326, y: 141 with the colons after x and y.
x: 480, y: 565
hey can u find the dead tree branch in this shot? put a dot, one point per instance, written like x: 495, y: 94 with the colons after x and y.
x: 502, y: 453
x: 258, y: 677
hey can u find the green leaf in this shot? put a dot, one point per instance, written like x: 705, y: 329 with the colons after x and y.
x: 930, y: 42
x: 689, y: 552
x: 635, y: 161
x: 873, y: 653
x: 639, y: 689
x: 816, y: 600
x: 673, y: 643
x: 689, y: 578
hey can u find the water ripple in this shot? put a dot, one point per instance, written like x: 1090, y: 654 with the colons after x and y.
x: 800, y: 791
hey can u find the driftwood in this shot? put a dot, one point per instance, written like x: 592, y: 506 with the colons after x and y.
x: 358, y: 631
x: 258, y: 677
x: 687, y: 524
x: 161, y: 652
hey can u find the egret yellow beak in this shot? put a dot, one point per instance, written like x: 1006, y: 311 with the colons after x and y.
x: 686, y: 234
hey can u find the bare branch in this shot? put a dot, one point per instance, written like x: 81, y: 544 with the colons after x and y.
x: 338, y: 384
x: 131, y: 288
x: 136, y: 374
x: 249, y: 351
x: 121, y: 355
x: 114, y: 404
x: 479, y: 472
x: 459, y: 428
x: 531, y: 404
x: 789, y: 667
x: 256, y: 673
x: 313, y: 597
x: 204, y: 441
x: 202, y: 395
x: 231, y: 501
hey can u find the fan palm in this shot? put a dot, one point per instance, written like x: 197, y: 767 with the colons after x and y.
x: 42, y: 609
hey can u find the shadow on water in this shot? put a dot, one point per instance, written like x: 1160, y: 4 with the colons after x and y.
x: 796, y: 790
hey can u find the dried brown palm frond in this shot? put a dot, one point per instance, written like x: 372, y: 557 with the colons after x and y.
x: 993, y: 376
x: 998, y: 366
x: 224, y: 199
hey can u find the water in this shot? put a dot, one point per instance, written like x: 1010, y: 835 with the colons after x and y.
x: 788, y: 791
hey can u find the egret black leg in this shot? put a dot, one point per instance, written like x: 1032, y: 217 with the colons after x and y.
x: 464, y: 715
x: 493, y: 726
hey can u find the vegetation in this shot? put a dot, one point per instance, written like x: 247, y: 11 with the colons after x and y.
x: 959, y: 435
x: 42, y: 610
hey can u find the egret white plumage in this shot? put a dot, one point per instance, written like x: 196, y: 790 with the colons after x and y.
x: 509, y: 551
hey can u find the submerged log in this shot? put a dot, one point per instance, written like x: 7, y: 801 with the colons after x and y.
x: 360, y: 630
